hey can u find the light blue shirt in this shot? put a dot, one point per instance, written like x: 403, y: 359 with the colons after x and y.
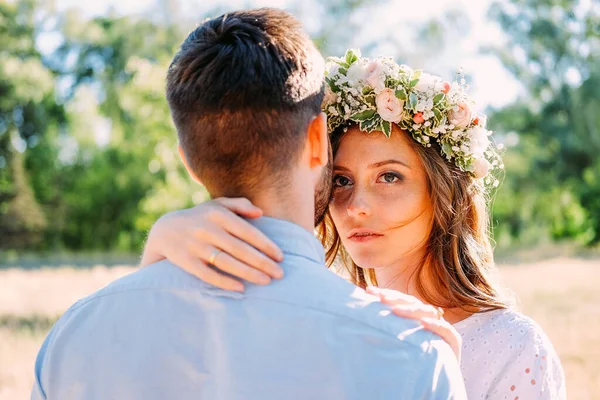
x: 160, y: 333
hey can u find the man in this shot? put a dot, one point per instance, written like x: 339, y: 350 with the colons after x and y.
x: 245, y: 92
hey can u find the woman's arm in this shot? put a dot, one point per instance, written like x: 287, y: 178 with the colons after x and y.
x: 215, y: 231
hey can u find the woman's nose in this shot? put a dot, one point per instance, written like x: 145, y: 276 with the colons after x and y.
x: 358, y: 206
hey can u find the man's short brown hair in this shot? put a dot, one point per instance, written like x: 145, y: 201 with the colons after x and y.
x: 242, y: 90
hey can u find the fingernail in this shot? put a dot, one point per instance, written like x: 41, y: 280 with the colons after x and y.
x: 264, y: 280
x: 279, y: 273
x: 238, y: 288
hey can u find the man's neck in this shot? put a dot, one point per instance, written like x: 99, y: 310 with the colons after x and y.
x: 295, y: 206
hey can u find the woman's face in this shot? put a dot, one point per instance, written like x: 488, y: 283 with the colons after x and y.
x: 381, y: 205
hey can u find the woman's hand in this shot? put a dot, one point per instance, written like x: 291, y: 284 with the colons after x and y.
x: 430, y: 317
x: 215, y: 232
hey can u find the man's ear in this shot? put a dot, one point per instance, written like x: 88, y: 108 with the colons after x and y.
x: 187, y: 166
x: 318, y: 141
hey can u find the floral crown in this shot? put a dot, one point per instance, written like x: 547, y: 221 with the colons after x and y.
x: 378, y: 92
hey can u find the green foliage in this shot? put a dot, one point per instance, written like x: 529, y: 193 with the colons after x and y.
x: 27, y: 114
x: 550, y: 50
x: 88, y: 155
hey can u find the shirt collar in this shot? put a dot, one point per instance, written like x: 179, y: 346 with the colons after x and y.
x: 291, y: 238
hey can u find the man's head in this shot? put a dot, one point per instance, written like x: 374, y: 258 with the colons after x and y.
x: 245, y: 92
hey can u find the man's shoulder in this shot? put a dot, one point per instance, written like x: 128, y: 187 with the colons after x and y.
x: 319, y: 290
x: 305, y: 290
x: 162, y: 276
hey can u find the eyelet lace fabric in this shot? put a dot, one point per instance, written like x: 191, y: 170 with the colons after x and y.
x: 507, y: 355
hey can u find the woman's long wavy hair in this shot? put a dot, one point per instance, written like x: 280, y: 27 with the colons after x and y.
x: 459, y: 255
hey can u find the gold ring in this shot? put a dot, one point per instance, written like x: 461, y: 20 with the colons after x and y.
x: 213, y: 257
x: 440, y: 312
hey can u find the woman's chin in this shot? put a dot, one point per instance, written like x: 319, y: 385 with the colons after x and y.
x: 368, y: 260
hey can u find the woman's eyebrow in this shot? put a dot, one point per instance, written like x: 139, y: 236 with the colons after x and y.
x: 341, y: 168
x: 386, y: 162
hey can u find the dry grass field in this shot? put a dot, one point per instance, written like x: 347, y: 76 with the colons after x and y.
x: 562, y: 294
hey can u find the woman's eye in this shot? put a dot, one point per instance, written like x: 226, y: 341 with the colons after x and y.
x: 389, y: 177
x: 341, y: 181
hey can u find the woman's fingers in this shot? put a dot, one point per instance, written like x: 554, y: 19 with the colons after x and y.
x: 241, y: 251
x: 446, y: 331
x: 431, y: 320
x: 415, y: 311
x: 226, y: 263
x: 202, y: 271
x: 243, y: 230
x: 406, y: 306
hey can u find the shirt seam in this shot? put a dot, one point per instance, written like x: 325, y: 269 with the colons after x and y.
x: 126, y: 290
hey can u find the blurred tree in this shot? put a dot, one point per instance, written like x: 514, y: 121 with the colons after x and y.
x: 552, y: 49
x: 120, y: 128
x: 29, y: 118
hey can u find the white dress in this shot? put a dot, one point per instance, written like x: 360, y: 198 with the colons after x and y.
x: 506, y: 355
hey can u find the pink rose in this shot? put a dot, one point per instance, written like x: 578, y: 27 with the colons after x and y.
x: 482, y: 167
x: 374, y: 76
x: 389, y: 107
x: 462, y: 116
x: 418, y: 118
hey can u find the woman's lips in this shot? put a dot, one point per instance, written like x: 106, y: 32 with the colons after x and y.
x: 363, y: 235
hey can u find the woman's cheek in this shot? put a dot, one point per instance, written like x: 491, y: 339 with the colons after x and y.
x: 339, y: 200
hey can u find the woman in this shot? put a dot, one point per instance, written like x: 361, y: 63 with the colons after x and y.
x: 412, y: 168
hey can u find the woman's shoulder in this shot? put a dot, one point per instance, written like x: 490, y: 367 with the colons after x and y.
x: 509, y: 324
x: 507, y: 333
x: 517, y: 348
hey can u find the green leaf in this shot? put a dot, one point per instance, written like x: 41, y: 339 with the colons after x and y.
x: 352, y: 55
x: 438, y: 97
x: 447, y: 147
x: 369, y: 125
x: 414, y: 78
x: 333, y: 86
x: 366, y: 90
x: 341, y: 63
x: 438, y: 115
x: 370, y: 99
x: 413, y: 100
x: 386, y: 128
x: 363, y: 116
x: 401, y: 94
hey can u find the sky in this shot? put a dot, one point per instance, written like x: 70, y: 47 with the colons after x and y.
x: 491, y: 84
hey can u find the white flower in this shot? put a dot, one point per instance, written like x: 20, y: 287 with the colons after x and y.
x: 358, y: 71
x: 428, y: 82
x: 479, y: 140
x: 389, y: 107
x: 460, y: 116
x: 330, y: 96
x: 332, y: 68
x: 482, y: 167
